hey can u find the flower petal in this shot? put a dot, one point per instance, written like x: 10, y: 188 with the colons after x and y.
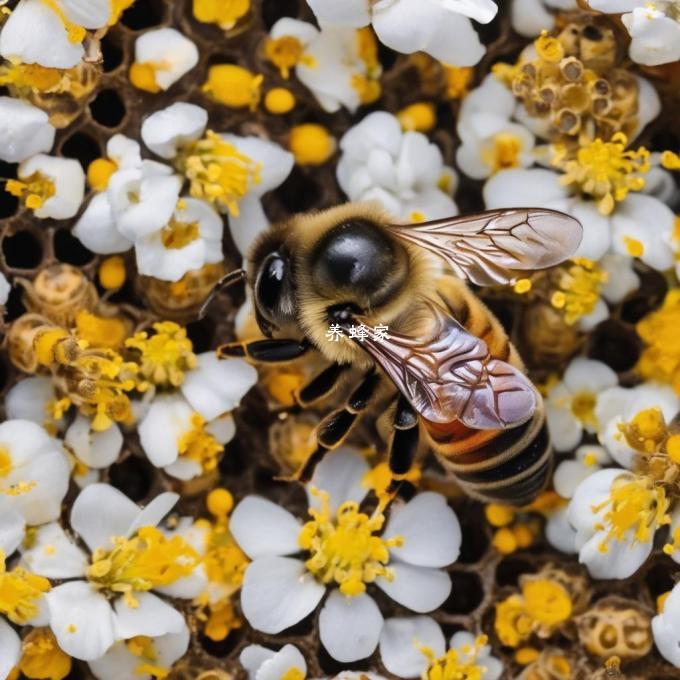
x: 418, y: 588
x: 349, y: 627
x: 54, y: 555
x: 10, y: 648
x: 95, y: 449
x: 400, y: 643
x: 151, y: 617
x: 287, y: 659
x: 153, y: 513
x: 277, y: 593
x: 430, y: 530
x: 262, y: 528
x: 166, y: 130
x: 12, y: 526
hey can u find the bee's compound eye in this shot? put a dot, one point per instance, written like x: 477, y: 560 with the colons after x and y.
x: 270, y: 282
x: 355, y: 256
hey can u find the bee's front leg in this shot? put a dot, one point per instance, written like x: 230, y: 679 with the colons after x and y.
x: 403, y: 445
x: 272, y: 351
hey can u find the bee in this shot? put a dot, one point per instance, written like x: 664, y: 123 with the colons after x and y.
x: 454, y: 379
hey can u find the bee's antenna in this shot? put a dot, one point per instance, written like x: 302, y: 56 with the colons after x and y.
x: 227, y: 280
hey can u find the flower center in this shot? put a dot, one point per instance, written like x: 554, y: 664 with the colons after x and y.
x: 199, y: 445
x: 455, y: 664
x: 635, y: 504
x: 76, y: 34
x: 117, y: 8
x: 33, y: 191
x: 344, y: 549
x: 19, y: 593
x: 367, y: 84
x: 234, y: 86
x: 225, y: 13
x: 646, y: 431
x: 604, y: 170
x: 177, y: 234
x: 293, y: 673
x: 503, y: 152
x: 166, y: 356
x: 583, y: 407
x: 547, y: 601
x: 218, y: 172
x: 5, y: 462
x: 145, y: 561
x: 144, y: 649
x: 579, y: 289
x: 32, y: 76
x: 285, y: 53
x: 41, y: 656
x: 143, y: 74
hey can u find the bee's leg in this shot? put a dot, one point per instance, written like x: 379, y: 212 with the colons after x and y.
x: 334, y: 428
x: 403, y: 444
x: 321, y: 385
x: 265, y: 351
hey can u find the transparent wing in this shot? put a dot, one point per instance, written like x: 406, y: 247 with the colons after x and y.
x: 498, y: 246
x: 449, y: 375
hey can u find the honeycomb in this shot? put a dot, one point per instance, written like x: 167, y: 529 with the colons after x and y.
x: 481, y: 576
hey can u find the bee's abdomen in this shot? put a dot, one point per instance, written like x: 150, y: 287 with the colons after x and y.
x: 511, y: 467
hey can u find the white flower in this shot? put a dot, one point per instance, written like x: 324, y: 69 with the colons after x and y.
x: 615, y: 515
x: 166, y: 54
x: 416, y: 25
x: 12, y: 527
x: 330, y: 62
x: 25, y: 130
x: 619, y: 405
x: 265, y: 664
x: 30, y: 399
x: 34, y: 473
x: 642, y: 220
x: 136, y: 658
x: 490, y: 140
x: 140, y: 199
x: 108, y: 594
x: 587, y: 460
x: 57, y: 185
x: 192, y: 238
x: 411, y: 647
x: 570, y: 406
x: 178, y: 130
x: 406, y: 561
x: 666, y: 628
x: 37, y: 33
x: 95, y: 449
x: 401, y: 171
x: 5, y: 288
x: 530, y: 17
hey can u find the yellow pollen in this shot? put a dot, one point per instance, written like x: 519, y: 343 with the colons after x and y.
x: 455, y: 664
x: 547, y: 601
x: 37, y: 78
x: 285, y: 53
x: 279, y: 101
x: 367, y: 49
x: 579, y: 289
x: 138, y: 564
x: 417, y: 216
x: 673, y: 448
x: 634, y: 247
x: 220, y: 620
x: 636, y: 505
x: 343, y: 548
x: 117, y: 9
x: 112, y: 272
x: 646, y: 431
x: 458, y: 79
x: 379, y: 478
x: 670, y: 160
x: 19, y: 592
x: 583, y: 407
x: 166, y: 356
x: 234, y: 86
x: 526, y: 655
x: 660, y: 359
x: 72, y: 628
x: 220, y: 502
x: 99, y: 173
x: 176, y: 234
x: 100, y: 332
x: 33, y: 191
x: 218, y: 172
x: 590, y: 460
x: 604, y: 170
x: 76, y: 34
x: 293, y: 673
x: 549, y: 49
x: 199, y: 445
x: 503, y: 152
x: 522, y: 286
x: 5, y: 462
x: 224, y: 13
x: 311, y: 144
x: 499, y: 515
x: 41, y: 656
x: 419, y: 117
x: 143, y: 75
x: 505, y: 541
x: 661, y: 601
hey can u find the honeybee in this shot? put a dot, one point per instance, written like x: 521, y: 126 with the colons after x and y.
x: 452, y: 375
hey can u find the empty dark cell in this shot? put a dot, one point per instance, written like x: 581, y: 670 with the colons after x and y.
x: 112, y: 53
x: 466, y: 595
x: 273, y: 10
x: 660, y: 579
x: 222, y: 648
x: 475, y: 539
x: 386, y: 56
x: 143, y: 15
x: 647, y: 298
x: 201, y: 334
x: 81, y: 147
x: 69, y: 249
x: 3, y: 374
x: 14, y: 307
x: 299, y: 192
x: 510, y: 569
x: 133, y: 477
x: 108, y: 108
x: 23, y: 250
x: 333, y: 667
x: 235, y: 459
x: 8, y: 203
x: 616, y: 345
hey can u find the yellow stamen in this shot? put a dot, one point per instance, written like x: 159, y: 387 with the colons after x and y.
x: 458, y: 79
x: 343, y: 549
x: 579, y: 291
x: 224, y: 13
x: 234, y: 86
x: 42, y: 658
x: 455, y: 664
x: 583, y: 407
x: 279, y: 100
x: 99, y: 173
x: 503, y: 152
x: 20, y: 591
x: 112, y: 272
x: 286, y: 53
x: 177, y: 235
x: 100, y: 332
x: 199, y: 445
x: 311, y: 144
x: 33, y: 191
x: 419, y: 117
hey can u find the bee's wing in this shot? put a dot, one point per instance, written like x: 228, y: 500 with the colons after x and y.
x: 498, y: 246
x: 449, y: 375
